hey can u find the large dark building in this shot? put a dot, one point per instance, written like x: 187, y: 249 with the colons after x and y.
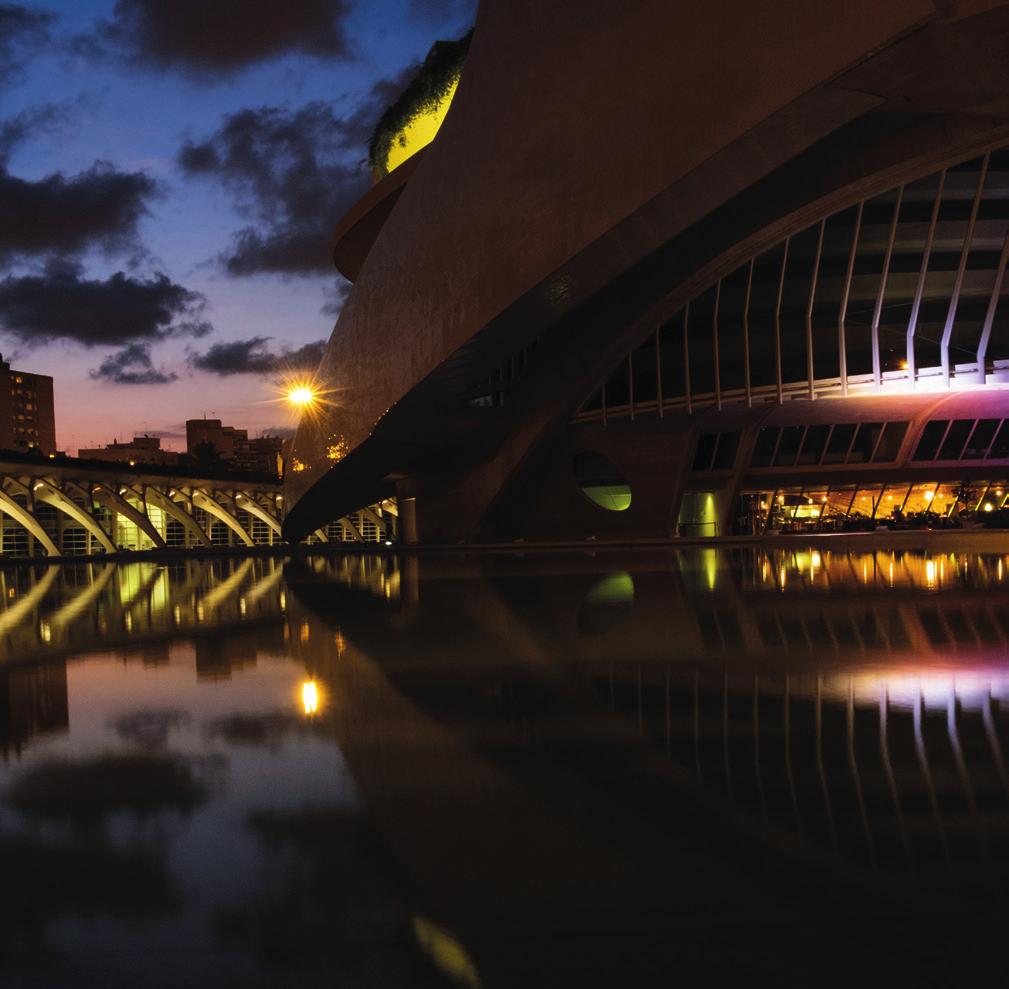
x: 681, y: 268
x: 27, y: 417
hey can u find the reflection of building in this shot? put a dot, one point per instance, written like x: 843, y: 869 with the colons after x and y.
x: 33, y: 701
x: 27, y: 419
x: 141, y: 450
x: 218, y: 657
x: 208, y: 438
x: 747, y: 294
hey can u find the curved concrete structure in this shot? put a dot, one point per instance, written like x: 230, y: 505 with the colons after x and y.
x: 599, y: 168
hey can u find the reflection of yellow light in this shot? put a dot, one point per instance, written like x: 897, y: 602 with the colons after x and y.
x: 447, y: 953
x: 310, y: 697
x: 930, y: 573
x: 11, y: 592
x: 45, y: 630
x: 305, y: 632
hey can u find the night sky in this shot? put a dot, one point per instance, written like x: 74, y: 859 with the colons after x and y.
x: 170, y: 174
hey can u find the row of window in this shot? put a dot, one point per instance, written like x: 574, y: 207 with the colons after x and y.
x: 844, y: 443
x: 716, y: 451
x: 964, y: 439
x: 495, y: 388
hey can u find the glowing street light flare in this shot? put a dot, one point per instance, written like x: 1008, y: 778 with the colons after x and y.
x: 310, y: 697
x: 301, y: 396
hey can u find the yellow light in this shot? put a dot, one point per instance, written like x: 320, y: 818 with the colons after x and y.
x: 420, y: 130
x: 310, y: 697
x: 301, y: 396
x: 929, y: 495
x: 989, y: 507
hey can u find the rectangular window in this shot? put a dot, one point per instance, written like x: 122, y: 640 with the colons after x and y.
x: 889, y: 445
x: 931, y: 437
x: 840, y: 440
x: 813, y: 444
x: 763, y: 450
x: 980, y: 439
x: 1000, y: 446
x: 865, y: 442
x: 956, y: 437
x: 788, y: 446
x: 705, y: 451
x: 725, y: 454
x: 618, y: 388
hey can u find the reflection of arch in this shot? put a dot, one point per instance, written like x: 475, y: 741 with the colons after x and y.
x: 117, y: 504
x: 83, y: 598
x: 251, y: 506
x: 175, y: 510
x: 45, y: 492
x: 217, y: 595
x: 264, y: 584
x: 202, y: 500
x: 25, y: 518
x: 13, y: 615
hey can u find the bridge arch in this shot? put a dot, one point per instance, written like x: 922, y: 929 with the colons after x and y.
x: 46, y: 492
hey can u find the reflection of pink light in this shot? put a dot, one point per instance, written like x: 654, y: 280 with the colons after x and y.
x: 936, y: 688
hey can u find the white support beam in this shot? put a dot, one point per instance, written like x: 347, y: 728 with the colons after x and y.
x: 212, y: 507
x: 49, y: 494
x: 25, y: 518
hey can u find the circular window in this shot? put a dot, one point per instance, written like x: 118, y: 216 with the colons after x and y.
x: 601, y: 482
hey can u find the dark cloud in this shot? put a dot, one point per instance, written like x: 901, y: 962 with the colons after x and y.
x: 290, y: 170
x: 22, y: 33
x: 97, y: 208
x: 132, y: 366
x: 253, y: 356
x: 28, y: 123
x: 60, y: 303
x: 284, y: 432
x: 224, y: 35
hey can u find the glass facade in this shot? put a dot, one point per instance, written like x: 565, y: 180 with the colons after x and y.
x: 855, y: 507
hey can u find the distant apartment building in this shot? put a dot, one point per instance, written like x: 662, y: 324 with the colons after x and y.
x: 210, y: 440
x: 27, y: 418
x: 139, y: 450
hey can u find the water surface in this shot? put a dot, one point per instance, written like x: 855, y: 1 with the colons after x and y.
x: 571, y: 769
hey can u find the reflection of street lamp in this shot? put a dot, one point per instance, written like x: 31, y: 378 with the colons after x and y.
x: 310, y: 697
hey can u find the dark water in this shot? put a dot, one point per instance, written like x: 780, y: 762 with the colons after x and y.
x: 595, y: 769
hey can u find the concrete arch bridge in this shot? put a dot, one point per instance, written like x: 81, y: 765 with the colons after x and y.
x: 58, y: 508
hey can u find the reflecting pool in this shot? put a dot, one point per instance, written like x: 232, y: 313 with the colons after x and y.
x: 506, y: 770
